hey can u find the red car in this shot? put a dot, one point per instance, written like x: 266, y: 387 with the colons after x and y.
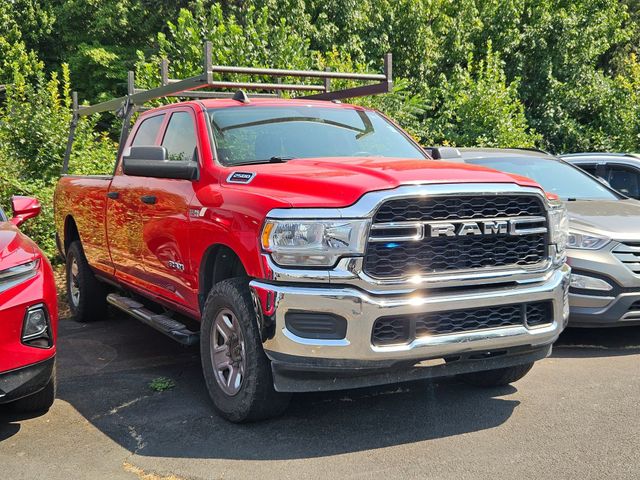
x: 28, y: 315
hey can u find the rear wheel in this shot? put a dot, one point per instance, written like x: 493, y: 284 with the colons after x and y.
x: 236, y: 370
x: 85, y: 294
x: 40, y: 401
x: 498, y: 377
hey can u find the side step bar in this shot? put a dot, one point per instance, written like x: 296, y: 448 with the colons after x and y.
x: 170, y: 327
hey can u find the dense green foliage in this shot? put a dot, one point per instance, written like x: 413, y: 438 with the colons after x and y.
x: 557, y: 74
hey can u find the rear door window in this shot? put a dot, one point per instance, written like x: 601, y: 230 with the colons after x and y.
x: 148, y: 131
x: 624, y: 179
x: 588, y: 167
x: 180, y: 137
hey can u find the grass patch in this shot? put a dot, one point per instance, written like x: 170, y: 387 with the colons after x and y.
x: 161, y: 384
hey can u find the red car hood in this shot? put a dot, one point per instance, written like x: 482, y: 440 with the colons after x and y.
x: 15, y: 248
x: 342, y: 181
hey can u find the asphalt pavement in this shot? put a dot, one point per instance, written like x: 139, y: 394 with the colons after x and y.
x: 576, y: 415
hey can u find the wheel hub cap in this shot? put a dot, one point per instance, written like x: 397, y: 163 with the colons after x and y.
x: 74, y: 283
x: 228, y: 352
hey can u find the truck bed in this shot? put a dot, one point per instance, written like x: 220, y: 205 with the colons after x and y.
x: 84, y: 198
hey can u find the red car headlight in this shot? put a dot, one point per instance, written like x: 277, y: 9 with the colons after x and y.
x: 10, y: 277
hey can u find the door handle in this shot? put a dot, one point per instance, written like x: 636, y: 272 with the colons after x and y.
x: 113, y: 195
x: 149, y: 199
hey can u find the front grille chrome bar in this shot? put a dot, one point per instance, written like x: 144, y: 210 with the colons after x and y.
x: 409, y: 231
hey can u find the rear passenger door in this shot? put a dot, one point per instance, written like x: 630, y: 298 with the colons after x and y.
x: 624, y: 178
x: 165, y: 235
x: 124, y: 222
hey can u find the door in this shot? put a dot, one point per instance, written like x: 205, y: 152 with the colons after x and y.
x: 124, y: 208
x: 624, y: 178
x: 165, y: 235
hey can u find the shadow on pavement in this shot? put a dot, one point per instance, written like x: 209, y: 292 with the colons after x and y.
x: 7, y: 430
x: 105, y: 369
x: 597, y: 342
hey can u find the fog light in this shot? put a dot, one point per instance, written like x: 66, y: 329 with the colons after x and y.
x: 35, y: 331
x: 585, y: 282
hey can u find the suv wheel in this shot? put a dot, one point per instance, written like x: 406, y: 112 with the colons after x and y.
x: 236, y: 370
x: 498, y: 377
x: 85, y: 294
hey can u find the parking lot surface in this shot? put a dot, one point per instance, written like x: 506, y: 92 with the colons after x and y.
x: 576, y: 415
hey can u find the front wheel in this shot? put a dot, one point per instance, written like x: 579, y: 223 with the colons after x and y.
x: 498, y: 377
x: 236, y: 370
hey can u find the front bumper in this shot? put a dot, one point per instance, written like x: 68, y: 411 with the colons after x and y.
x: 618, y: 307
x: 25, y: 381
x: 356, y: 352
x: 590, y: 311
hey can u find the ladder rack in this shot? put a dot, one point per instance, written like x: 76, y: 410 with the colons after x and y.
x: 192, y: 88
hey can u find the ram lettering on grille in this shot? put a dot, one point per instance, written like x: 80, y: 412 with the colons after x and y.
x: 444, y: 234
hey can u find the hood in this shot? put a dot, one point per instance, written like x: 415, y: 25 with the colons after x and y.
x: 339, y: 182
x: 15, y: 247
x: 616, y: 219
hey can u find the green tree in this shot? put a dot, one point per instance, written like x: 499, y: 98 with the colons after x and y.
x: 34, y: 122
x: 479, y: 107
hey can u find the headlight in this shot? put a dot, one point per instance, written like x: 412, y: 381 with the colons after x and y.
x: 313, y: 243
x: 558, y: 229
x: 13, y: 276
x: 585, y: 241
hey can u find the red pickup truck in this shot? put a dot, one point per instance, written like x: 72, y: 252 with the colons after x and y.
x: 312, y: 245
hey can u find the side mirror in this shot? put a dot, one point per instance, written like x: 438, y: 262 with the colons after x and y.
x: 24, y: 208
x: 153, y: 161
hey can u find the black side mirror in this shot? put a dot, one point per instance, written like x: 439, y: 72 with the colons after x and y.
x: 152, y: 161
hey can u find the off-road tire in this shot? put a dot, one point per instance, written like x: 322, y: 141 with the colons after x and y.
x: 256, y: 398
x: 40, y: 401
x: 498, y: 377
x: 91, y: 305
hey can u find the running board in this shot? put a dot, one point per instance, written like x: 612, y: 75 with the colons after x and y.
x: 170, y: 327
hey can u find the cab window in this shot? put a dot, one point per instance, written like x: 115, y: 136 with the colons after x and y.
x: 148, y: 131
x: 180, y: 138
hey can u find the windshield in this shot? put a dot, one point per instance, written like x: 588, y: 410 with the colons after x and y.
x: 263, y: 134
x: 3, y: 217
x: 555, y: 176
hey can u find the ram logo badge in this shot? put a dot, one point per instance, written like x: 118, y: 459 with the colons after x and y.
x: 487, y: 227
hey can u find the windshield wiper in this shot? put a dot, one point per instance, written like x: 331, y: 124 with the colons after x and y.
x: 274, y: 159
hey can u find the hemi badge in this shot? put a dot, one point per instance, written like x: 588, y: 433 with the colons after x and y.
x: 241, y: 177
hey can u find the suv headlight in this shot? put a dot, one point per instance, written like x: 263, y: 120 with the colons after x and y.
x: 13, y: 276
x: 585, y: 241
x: 558, y: 229
x: 313, y: 243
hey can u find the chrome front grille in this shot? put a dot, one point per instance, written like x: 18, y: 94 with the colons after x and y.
x: 421, y: 236
x: 629, y: 255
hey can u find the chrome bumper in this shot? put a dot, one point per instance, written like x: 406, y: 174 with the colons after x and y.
x: 361, y: 310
